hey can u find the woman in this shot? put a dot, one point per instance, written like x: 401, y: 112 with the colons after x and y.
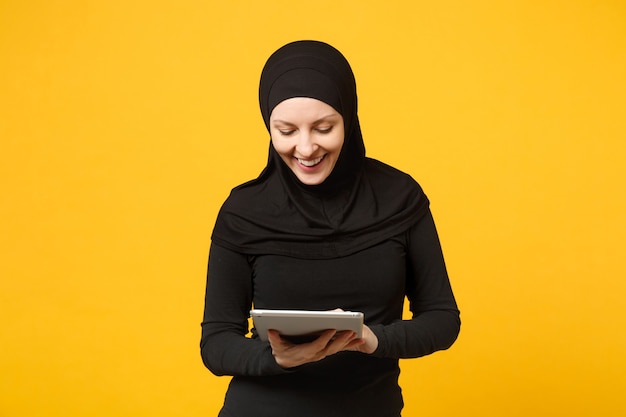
x: 322, y: 227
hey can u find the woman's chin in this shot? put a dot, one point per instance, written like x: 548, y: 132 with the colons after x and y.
x: 311, y: 179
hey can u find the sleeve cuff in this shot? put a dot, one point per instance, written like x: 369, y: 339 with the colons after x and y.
x: 379, y: 331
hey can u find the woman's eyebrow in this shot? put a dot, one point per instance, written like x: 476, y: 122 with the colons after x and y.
x: 283, y: 122
x: 320, y: 120
x: 323, y: 119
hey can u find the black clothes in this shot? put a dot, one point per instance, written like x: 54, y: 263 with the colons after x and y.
x: 270, y: 215
x: 374, y: 280
x: 362, y: 240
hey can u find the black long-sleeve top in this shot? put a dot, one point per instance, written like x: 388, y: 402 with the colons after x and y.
x: 374, y: 281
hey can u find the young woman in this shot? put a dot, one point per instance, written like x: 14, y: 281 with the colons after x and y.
x: 323, y: 227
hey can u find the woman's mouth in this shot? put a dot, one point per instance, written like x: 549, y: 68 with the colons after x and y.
x: 310, y: 162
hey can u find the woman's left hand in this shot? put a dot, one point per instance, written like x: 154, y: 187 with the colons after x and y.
x: 289, y: 355
x: 368, y: 342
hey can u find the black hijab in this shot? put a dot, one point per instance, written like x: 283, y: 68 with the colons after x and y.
x: 362, y: 202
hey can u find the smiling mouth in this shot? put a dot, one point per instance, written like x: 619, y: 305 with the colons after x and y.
x: 310, y: 162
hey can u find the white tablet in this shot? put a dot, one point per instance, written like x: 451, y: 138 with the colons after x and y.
x: 305, y: 325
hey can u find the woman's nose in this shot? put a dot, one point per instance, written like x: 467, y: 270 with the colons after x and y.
x: 305, y: 145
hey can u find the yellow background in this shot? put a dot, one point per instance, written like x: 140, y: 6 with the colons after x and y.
x: 124, y: 124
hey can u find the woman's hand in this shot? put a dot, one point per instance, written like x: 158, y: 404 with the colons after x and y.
x: 369, y: 342
x: 289, y: 355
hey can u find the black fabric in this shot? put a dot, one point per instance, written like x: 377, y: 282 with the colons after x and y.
x: 348, y: 384
x: 361, y: 203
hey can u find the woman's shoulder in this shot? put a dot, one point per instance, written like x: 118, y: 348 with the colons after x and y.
x: 248, y: 194
x: 381, y: 172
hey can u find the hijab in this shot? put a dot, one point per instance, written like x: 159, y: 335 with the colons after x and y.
x: 360, y: 204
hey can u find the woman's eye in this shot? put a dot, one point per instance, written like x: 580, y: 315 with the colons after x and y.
x: 286, y: 132
x: 324, y: 129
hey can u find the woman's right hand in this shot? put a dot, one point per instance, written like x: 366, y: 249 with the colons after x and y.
x: 289, y: 355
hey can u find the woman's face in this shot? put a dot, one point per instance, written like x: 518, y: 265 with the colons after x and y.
x: 308, y: 135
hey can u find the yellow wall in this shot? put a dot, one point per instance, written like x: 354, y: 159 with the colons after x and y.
x: 124, y: 124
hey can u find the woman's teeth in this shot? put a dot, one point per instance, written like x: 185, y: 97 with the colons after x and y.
x: 310, y: 163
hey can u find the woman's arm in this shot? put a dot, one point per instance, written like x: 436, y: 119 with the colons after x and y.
x: 436, y: 323
x: 224, y: 347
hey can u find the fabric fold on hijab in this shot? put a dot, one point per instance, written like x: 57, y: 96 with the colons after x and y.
x: 363, y: 202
